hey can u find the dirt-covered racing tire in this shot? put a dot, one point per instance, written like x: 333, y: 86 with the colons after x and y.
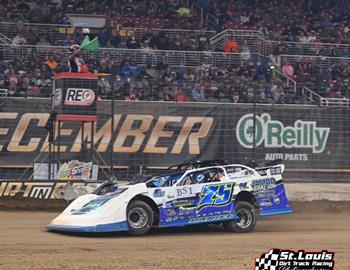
x: 140, y: 217
x: 247, y: 214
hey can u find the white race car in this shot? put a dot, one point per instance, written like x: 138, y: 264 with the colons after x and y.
x: 193, y: 193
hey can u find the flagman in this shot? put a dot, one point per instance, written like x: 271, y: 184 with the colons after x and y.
x: 75, y: 62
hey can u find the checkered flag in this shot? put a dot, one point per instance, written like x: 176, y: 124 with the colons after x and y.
x: 268, y: 261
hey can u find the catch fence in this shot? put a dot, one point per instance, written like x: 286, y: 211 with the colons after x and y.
x: 312, y: 141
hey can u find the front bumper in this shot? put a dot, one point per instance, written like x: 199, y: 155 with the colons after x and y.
x: 112, y: 227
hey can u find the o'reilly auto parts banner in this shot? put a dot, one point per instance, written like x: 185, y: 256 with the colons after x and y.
x: 311, y: 140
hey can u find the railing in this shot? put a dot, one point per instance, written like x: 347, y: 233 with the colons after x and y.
x: 171, y: 33
x: 32, y: 52
x: 54, y: 31
x: 4, y: 39
x: 3, y: 92
x: 318, y: 60
x: 60, y: 32
x: 253, y: 39
x: 286, y: 79
x: 307, y: 48
x: 315, y: 98
x: 335, y: 102
x: 211, y: 19
x: 311, y: 96
x: 197, y: 8
x: 140, y: 56
x: 268, y: 47
x: 240, y: 32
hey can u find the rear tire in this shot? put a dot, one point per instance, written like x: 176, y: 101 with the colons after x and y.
x: 247, y: 214
x: 140, y: 217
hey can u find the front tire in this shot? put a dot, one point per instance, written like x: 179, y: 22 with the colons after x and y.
x: 247, y: 214
x: 140, y: 217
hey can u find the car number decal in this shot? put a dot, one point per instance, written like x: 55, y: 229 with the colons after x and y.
x: 215, y: 195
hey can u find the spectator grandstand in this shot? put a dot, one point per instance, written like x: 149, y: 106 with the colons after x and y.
x: 161, y: 81
x: 156, y: 14
x: 299, y: 21
x: 167, y: 50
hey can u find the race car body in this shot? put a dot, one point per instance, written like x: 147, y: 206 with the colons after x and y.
x: 231, y: 194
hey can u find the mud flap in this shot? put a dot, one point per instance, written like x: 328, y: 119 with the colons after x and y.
x: 273, y: 201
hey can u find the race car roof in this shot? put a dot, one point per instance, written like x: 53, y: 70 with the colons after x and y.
x: 197, y: 164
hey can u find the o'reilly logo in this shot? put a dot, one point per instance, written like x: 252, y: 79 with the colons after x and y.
x: 273, y: 134
x: 79, y: 96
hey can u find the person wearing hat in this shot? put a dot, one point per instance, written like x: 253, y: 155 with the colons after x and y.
x: 75, y: 62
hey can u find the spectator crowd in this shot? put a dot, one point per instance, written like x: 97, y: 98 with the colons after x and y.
x: 236, y: 83
x: 326, y: 21
x: 330, y: 80
x: 165, y: 13
x: 298, y: 21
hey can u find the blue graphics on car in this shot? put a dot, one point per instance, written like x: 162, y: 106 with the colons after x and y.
x: 216, y: 195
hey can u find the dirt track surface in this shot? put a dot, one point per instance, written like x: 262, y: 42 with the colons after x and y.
x: 25, y: 244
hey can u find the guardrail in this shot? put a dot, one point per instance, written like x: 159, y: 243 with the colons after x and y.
x: 140, y: 56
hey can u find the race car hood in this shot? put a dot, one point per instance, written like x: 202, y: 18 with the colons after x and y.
x: 92, y: 212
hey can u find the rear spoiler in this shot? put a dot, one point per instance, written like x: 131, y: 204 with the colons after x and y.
x: 273, y: 167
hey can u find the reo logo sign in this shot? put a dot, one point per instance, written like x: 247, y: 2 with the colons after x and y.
x: 79, y: 97
x: 273, y: 134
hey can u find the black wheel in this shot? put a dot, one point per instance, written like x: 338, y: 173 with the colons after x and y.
x: 140, y: 217
x: 247, y: 218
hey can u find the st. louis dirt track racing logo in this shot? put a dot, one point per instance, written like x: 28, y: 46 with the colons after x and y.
x: 277, y: 259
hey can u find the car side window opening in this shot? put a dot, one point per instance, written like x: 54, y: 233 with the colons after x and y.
x: 238, y: 171
x: 164, y: 181
x: 203, y: 176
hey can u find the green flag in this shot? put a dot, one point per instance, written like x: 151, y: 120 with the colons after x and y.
x: 85, y: 41
x: 91, y: 46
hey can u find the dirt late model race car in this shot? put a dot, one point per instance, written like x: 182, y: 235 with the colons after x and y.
x: 194, y: 193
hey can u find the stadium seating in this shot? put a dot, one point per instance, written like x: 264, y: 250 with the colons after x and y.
x: 317, y: 64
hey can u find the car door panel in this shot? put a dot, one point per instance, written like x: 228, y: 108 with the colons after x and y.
x: 198, y: 203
